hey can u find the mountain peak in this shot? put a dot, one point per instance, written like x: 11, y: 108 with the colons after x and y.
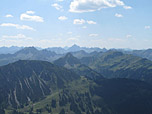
x: 28, y: 50
x: 75, y: 45
x: 70, y: 58
x: 74, y: 48
x: 67, y: 59
x: 68, y: 55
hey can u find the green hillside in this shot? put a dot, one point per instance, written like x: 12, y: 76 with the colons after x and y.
x: 74, y: 64
x: 114, y: 64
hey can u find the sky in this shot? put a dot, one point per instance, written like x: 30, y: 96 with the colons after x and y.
x: 87, y: 23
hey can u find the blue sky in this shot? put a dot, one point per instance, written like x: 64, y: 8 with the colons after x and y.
x: 90, y: 23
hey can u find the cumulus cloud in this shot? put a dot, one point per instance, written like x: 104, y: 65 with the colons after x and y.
x: 73, y: 39
x: 57, y: 6
x: 80, y: 6
x: 27, y: 17
x: 147, y: 27
x: 18, y: 36
x: 69, y: 32
x: 118, y: 15
x: 82, y: 21
x: 62, y: 18
x: 91, y: 22
x: 127, y: 7
x: 79, y: 21
x: 16, y: 26
x: 30, y: 12
x: 8, y: 15
x: 93, y: 35
x: 60, y: 0
x: 84, y: 27
x: 128, y: 36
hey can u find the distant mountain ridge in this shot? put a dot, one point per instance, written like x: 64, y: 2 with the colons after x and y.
x: 28, y: 53
x: 32, y: 53
x: 115, y: 64
x: 9, y: 50
x: 75, y: 48
x: 141, y: 53
x: 145, y: 53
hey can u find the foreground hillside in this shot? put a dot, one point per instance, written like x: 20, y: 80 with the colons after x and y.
x: 25, y: 81
x: 40, y: 87
x: 112, y: 96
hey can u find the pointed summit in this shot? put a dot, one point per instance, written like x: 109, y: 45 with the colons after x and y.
x: 72, y: 63
x: 74, y: 48
x: 28, y: 50
x: 68, y: 59
x: 69, y: 55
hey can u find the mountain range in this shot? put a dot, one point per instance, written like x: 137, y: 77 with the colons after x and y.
x: 32, y: 53
x: 74, y: 64
x: 145, y: 53
x: 114, y: 64
x: 75, y: 48
x: 77, y: 81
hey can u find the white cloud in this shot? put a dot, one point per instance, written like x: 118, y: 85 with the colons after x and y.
x: 84, y: 27
x: 69, y: 33
x: 116, y: 40
x: 128, y: 36
x: 62, y: 18
x: 79, y: 21
x: 147, y: 27
x: 30, y: 12
x: 16, y: 26
x: 18, y: 36
x: 73, y: 39
x: 8, y: 15
x: 118, y: 15
x: 127, y: 7
x: 80, y: 6
x: 60, y: 0
x: 93, y: 35
x: 57, y: 6
x: 82, y: 21
x: 27, y: 17
x: 91, y: 22
x: 17, y: 40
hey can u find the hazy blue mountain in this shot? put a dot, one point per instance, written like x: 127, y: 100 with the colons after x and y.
x: 28, y: 53
x: 83, y: 54
x: 141, y: 53
x: 57, y: 50
x: 32, y: 53
x: 75, y: 48
x: 9, y: 50
x: 80, y: 54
